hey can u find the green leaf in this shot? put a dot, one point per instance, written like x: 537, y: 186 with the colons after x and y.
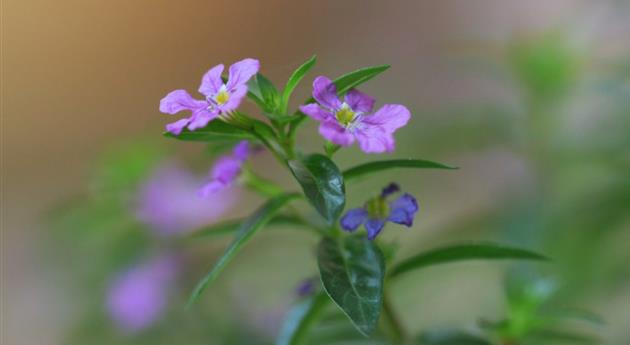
x: 294, y: 80
x: 372, y: 167
x: 268, y: 92
x: 246, y: 230
x: 229, y: 227
x: 462, y: 252
x: 344, y: 84
x: 450, y: 337
x: 215, y: 130
x: 322, y: 183
x: 356, y: 78
x: 352, y: 271
x: 300, y: 319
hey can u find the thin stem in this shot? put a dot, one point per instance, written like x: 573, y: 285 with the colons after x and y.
x: 262, y: 186
x: 397, y: 331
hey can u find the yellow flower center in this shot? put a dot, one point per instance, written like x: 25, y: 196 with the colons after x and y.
x: 377, y: 208
x: 345, y: 115
x: 222, y: 97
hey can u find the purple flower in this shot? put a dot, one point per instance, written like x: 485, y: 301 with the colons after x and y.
x: 341, y: 122
x: 377, y: 211
x: 137, y: 298
x: 220, y: 97
x: 169, y: 204
x: 226, y: 170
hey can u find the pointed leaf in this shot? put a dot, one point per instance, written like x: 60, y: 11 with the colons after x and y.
x: 215, y: 130
x: 268, y: 92
x: 322, y: 183
x: 300, y: 319
x: 352, y: 272
x: 462, y: 252
x: 229, y: 227
x: 372, y: 167
x: 294, y: 80
x: 244, y: 233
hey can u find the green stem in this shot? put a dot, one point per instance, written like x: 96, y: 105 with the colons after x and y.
x: 264, y: 187
x: 397, y: 331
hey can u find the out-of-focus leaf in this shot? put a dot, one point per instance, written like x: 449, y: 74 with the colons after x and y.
x: 300, y: 319
x: 352, y: 271
x: 246, y: 230
x: 322, y: 183
x: 372, y: 167
x: 215, y: 130
x: 450, y: 337
x: 294, y: 80
x: 459, y: 252
x: 564, y: 337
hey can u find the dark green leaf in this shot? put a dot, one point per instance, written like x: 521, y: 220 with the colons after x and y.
x: 352, y: 271
x: 450, y: 337
x: 461, y: 252
x: 268, y: 92
x: 244, y: 233
x: 215, y: 130
x: 300, y: 319
x: 372, y: 167
x: 322, y: 183
x: 294, y: 80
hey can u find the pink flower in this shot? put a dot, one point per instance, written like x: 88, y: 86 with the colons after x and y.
x: 343, y: 122
x: 226, y: 170
x: 169, y: 204
x: 219, y: 97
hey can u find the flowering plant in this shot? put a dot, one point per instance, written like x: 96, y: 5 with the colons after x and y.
x: 354, y: 271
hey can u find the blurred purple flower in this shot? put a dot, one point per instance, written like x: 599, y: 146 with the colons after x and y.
x: 169, y: 203
x: 306, y: 287
x: 341, y: 122
x: 377, y: 211
x: 138, y: 297
x: 226, y: 170
x: 220, y: 97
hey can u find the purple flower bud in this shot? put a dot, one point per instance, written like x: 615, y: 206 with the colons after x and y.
x: 226, y: 170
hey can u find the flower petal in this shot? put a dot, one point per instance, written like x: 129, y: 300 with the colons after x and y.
x: 180, y: 100
x: 241, y: 150
x: 373, y: 139
x: 390, y: 117
x: 325, y: 92
x: 390, y: 189
x: 200, y: 119
x: 353, y: 218
x: 359, y: 101
x: 226, y: 169
x: 241, y: 72
x: 374, y: 227
x: 236, y: 96
x: 403, y: 210
x: 211, y: 81
x: 336, y: 134
x: 314, y: 111
x: 212, y: 188
x: 178, y: 126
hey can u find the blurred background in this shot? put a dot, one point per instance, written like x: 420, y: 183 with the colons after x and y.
x: 531, y: 99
